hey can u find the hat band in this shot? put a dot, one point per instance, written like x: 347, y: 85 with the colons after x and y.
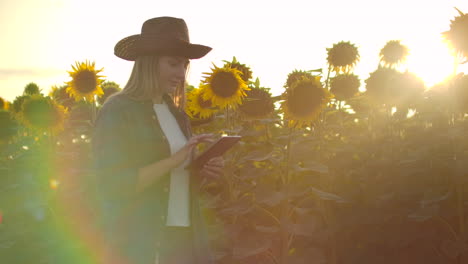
x: 160, y: 46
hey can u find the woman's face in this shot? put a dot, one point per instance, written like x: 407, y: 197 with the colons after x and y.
x: 172, y: 71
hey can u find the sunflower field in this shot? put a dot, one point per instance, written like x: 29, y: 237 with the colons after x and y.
x: 334, y: 170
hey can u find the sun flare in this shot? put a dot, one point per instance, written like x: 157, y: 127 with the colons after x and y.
x: 432, y: 61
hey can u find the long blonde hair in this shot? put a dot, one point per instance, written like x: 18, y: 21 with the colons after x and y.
x: 143, y: 83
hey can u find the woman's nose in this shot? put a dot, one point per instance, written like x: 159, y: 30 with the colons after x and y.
x: 180, y: 73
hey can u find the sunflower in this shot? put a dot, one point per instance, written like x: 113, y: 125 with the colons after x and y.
x: 8, y: 126
x: 380, y: 86
x: 224, y: 86
x: 457, y: 36
x: 411, y: 87
x: 3, y: 104
x: 258, y: 103
x: 296, y: 75
x: 345, y: 86
x: 304, y: 101
x: 31, y: 88
x: 85, y: 81
x: 60, y: 95
x: 42, y: 114
x: 342, y: 57
x: 393, y: 53
x: 197, y: 107
x: 18, y: 102
x: 246, y: 73
x: 392, y: 88
x: 109, y: 88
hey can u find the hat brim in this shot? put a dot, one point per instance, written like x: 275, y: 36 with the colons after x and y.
x: 131, y: 47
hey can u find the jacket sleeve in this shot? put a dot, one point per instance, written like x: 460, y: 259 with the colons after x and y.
x: 115, y: 174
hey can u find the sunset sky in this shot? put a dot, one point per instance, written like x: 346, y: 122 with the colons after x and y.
x: 41, y: 39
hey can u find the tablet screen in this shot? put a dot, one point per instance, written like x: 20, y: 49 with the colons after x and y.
x: 215, y: 150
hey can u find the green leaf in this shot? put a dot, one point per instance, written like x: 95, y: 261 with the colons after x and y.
x: 310, y: 165
x: 460, y: 12
x: 424, y: 213
x: 257, y: 83
x: 328, y: 196
x: 273, y: 198
x: 250, y: 247
x: 267, y: 229
x: 258, y: 155
x: 453, y: 249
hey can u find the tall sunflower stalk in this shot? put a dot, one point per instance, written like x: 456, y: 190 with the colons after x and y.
x: 457, y: 38
x: 285, y: 236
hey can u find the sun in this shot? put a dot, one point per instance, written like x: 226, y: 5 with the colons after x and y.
x: 431, y: 61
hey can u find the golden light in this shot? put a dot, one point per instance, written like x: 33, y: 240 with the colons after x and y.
x: 54, y: 184
x: 432, y: 61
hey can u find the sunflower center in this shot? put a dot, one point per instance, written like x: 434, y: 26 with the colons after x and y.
x: 257, y: 103
x: 85, y: 81
x: 304, y: 100
x: 224, y: 84
x: 203, y: 103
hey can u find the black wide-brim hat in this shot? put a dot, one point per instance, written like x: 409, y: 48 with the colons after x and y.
x: 160, y: 36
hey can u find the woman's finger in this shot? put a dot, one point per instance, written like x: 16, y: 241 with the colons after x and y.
x: 216, y: 161
x: 212, y: 172
x: 216, y: 169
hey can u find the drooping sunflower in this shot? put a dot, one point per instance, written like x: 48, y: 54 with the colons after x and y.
x: 42, y: 114
x: 304, y: 101
x: 8, y: 126
x: 344, y: 86
x: 381, y: 85
x: 197, y: 107
x: 457, y: 36
x: 393, y: 88
x: 60, y: 95
x: 393, y: 53
x: 258, y: 104
x: 85, y: 83
x: 224, y: 86
x: 109, y: 88
x: 343, y: 56
x: 296, y: 75
x: 31, y: 88
x: 246, y: 73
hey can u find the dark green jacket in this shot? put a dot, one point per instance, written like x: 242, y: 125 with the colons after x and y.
x: 127, y: 136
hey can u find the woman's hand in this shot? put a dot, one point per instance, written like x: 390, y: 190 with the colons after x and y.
x: 184, y: 153
x: 213, y: 168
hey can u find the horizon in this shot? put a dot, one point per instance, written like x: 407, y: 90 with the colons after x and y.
x: 55, y: 34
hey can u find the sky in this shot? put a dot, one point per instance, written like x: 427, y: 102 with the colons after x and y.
x: 41, y: 39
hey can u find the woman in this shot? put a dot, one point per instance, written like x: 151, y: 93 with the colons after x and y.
x: 149, y: 211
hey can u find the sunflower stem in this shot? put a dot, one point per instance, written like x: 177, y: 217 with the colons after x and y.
x: 93, y: 112
x: 458, y: 175
x: 328, y: 77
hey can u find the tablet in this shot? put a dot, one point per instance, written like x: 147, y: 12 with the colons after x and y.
x: 217, y: 149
